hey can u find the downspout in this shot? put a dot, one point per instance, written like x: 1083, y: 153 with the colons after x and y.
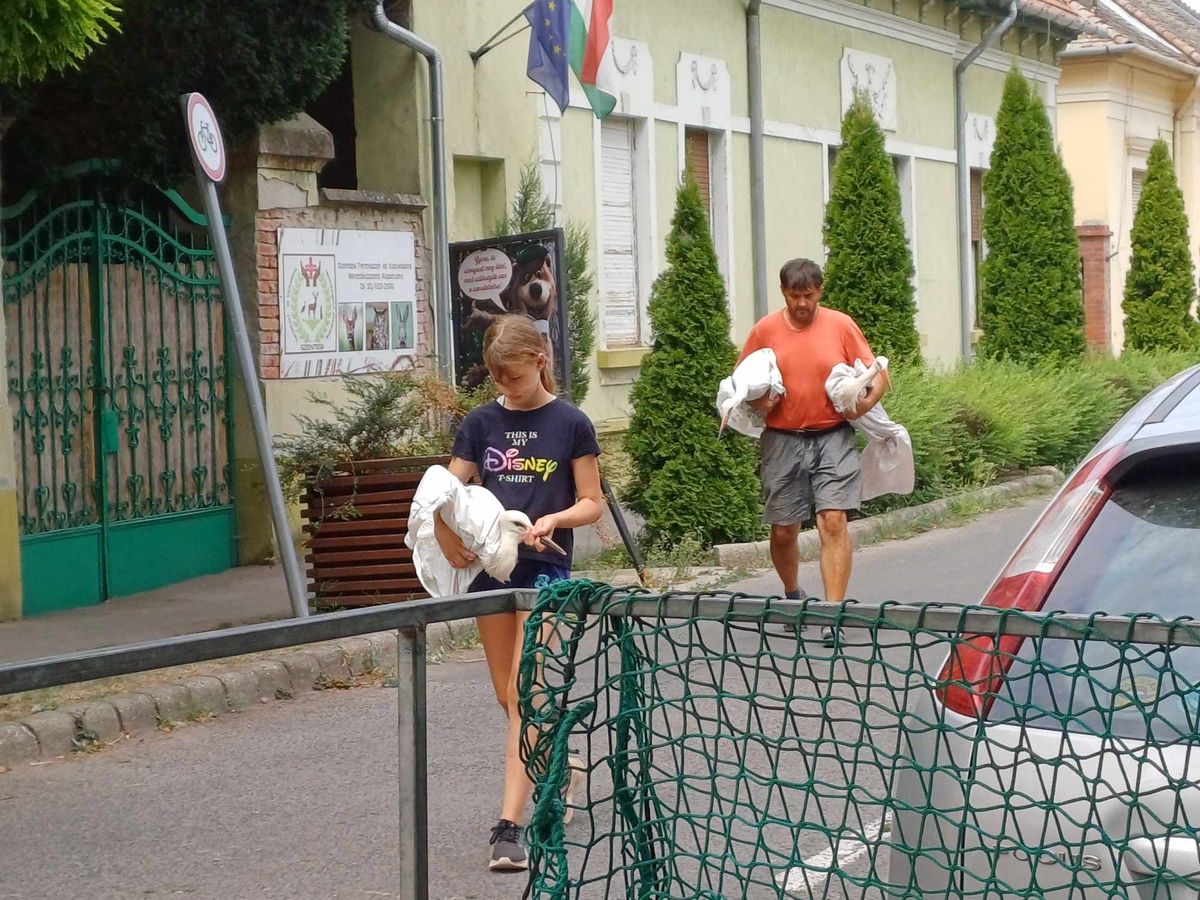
x: 993, y: 36
x: 758, y: 209
x: 442, y: 329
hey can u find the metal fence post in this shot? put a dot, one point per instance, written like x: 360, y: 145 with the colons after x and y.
x: 411, y: 769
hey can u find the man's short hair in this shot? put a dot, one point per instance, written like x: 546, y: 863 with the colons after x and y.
x: 800, y: 275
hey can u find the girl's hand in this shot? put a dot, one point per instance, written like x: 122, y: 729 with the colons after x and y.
x: 452, y: 545
x: 542, y: 528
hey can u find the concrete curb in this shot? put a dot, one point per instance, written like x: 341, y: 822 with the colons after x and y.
x: 56, y: 733
x: 757, y: 554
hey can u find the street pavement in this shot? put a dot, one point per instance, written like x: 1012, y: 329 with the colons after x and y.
x: 297, y: 799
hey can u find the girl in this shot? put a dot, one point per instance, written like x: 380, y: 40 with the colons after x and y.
x: 537, y: 454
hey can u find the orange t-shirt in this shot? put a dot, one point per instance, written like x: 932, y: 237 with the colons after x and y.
x: 805, y: 358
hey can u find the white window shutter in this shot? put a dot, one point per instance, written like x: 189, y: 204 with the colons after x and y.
x: 1139, y: 179
x: 618, y: 236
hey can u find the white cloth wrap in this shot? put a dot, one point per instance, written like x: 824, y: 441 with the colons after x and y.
x: 472, y: 511
x: 887, y: 460
x: 757, y: 374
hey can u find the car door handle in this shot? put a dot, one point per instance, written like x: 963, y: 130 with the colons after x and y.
x: 1177, y: 856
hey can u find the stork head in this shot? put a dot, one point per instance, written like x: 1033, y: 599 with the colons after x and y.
x: 513, y: 524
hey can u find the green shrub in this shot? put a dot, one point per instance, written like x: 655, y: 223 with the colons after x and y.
x: 688, y: 483
x: 1160, y: 287
x: 1031, y: 300
x: 869, y: 273
x: 39, y: 37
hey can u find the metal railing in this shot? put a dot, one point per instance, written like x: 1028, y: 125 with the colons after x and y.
x: 411, y: 619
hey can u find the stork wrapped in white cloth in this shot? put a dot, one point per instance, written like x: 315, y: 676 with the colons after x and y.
x: 887, y: 460
x: 754, y: 376
x: 489, y: 531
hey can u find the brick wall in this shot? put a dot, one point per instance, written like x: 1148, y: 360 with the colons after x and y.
x: 1093, y: 252
x: 351, y: 211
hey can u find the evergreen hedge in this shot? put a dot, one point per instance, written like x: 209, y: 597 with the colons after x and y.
x: 37, y: 37
x: 258, y: 62
x: 688, y: 483
x: 869, y: 273
x: 531, y: 211
x: 1031, y: 301
x: 1160, y: 287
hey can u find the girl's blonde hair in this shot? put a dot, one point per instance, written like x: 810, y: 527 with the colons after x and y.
x: 513, y: 339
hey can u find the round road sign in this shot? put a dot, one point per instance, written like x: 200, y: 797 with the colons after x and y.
x: 205, y: 135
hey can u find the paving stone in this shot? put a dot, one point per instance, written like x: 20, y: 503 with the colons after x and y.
x: 303, y: 670
x: 55, y: 732
x: 384, y: 644
x: 173, y: 702
x: 274, y: 680
x: 208, y: 695
x: 17, y: 744
x: 137, y: 712
x: 331, y: 660
x: 100, y: 718
x: 241, y: 688
x: 359, y: 655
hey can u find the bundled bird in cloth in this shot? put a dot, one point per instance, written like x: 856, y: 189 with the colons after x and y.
x: 487, y: 529
x: 754, y: 377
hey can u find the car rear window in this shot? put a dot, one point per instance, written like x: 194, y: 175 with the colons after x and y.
x: 1141, y: 555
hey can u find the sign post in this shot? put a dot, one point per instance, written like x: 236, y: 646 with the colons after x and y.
x: 208, y: 148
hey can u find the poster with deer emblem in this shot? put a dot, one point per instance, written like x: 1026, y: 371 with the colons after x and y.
x: 347, y: 302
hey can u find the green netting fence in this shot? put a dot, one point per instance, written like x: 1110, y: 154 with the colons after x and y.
x: 937, y: 752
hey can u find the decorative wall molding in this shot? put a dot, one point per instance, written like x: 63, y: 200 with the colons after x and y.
x: 703, y: 91
x: 981, y: 138
x: 876, y: 77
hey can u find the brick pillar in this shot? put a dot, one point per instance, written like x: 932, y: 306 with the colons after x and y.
x: 1093, y: 252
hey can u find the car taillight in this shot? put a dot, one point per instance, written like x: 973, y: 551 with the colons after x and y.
x: 973, y: 674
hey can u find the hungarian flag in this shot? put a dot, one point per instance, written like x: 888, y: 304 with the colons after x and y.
x: 590, y: 55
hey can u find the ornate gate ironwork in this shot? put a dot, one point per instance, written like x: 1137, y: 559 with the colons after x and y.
x: 119, y: 387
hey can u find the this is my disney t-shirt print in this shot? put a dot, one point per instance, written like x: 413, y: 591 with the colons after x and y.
x: 510, y: 467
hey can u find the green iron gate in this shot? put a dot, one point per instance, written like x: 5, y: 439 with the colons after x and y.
x: 119, y: 387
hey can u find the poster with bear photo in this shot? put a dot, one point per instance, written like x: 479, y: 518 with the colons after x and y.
x: 520, y: 274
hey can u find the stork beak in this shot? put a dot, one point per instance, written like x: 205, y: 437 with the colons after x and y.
x: 724, y: 423
x: 553, y: 546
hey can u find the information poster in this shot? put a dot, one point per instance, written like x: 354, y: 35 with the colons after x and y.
x: 347, y: 301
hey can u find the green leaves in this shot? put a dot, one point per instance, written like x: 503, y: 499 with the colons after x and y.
x: 1031, y: 303
x: 687, y: 482
x: 42, y: 36
x: 1160, y: 286
x: 869, y: 273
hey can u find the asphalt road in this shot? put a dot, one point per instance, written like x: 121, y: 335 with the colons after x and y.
x: 297, y: 799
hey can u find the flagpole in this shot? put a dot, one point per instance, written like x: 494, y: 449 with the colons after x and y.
x: 488, y: 45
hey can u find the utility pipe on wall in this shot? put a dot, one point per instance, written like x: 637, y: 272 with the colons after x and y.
x: 966, y: 300
x: 442, y: 329
x: 758, y: 213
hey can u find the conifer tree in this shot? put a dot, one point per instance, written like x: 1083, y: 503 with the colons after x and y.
x: 869, y: 273
x: 1031, y: 291
x: 687, y: 481
x: 1160, y: 287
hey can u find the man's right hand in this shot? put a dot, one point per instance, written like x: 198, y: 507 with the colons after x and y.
x: 452, y: 545
x: 765, y: 403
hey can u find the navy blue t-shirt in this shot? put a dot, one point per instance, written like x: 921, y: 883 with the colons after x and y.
x: 524, y: 457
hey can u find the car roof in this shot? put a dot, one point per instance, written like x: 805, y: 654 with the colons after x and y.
x: 1170, y: 410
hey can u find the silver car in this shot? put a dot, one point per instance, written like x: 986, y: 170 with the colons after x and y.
x: 1071, y: 769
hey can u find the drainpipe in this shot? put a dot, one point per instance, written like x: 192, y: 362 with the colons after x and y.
x: 443, y: 339
x: 993, y: 36
x: 758, y: 211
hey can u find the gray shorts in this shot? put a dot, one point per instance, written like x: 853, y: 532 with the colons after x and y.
x: 803, y: 474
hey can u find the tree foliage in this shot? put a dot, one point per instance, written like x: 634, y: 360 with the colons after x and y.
x: 869, y: 273
x: 531, y: 211
x: 42, y: 36
x: 256, y: 62
x: 1160, y: 287
x: 1031, y: 301
x: 688, y: 483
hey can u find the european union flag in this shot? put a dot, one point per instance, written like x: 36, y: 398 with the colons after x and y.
x: 548, y: 66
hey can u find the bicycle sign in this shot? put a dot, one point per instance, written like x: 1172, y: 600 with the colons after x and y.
x: 205, y: 135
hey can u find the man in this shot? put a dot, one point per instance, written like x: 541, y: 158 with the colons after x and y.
x: 808, y: 452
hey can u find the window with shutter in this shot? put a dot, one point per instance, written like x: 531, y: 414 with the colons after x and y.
x: 618, y: 236
x: 697, y: 156
x: 1139, y: 179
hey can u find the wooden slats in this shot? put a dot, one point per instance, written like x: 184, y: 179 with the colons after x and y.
x: 361, y: 561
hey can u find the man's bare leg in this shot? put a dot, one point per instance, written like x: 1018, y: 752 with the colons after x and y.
x: 785, y: 555
x: 836, y: 556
